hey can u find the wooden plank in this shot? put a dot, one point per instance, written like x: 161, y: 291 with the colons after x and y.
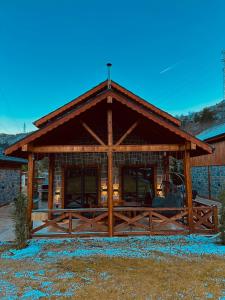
x: 67, y: 149
x: 93, y: 134
x: 215, y: 218
x: 51, y: 172
x: 30, y: 188
x: 118, y: 208
x: 114, y: 148
x: 130, y: 129
x: 209, y: 182
x: 109, y: 99
x: 50, y: 223
x: 68, y: 235
x: 110, y: 172
x: 146, y: 148
x: 188, y: 187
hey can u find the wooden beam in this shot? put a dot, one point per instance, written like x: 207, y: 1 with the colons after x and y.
x: 67, y: 149
x: 109, y: 99
x: 146, y: 148
x: 188, y: 188
x: 110, y: 172
x: 93, y: 134
x: 209, y: 183
x: 130, y: 129
x: 188, y: 146
x: 51, y: 169
x: 30, y: 188
x: 114, y: 148
x: 166, y: 167
x: 25, y: 147
x: 109, y: 125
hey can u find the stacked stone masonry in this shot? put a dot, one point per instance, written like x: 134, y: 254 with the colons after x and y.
x: 209, y: 181
x: 9, y: 185
x: 100, y: 160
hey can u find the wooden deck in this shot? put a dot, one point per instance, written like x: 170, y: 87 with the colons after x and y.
x: 126, y: 221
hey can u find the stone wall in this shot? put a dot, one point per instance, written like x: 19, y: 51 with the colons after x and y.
x: 100, y: 159
x: 9, y: 185
x: 201, y: 176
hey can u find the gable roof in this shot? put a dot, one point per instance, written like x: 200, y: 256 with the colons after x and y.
x: 10, y: 159
x: 141, y: 109
x: 213, y: 133
x: 96, y: 91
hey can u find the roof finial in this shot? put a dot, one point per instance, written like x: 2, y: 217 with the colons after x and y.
x: 109, y: 65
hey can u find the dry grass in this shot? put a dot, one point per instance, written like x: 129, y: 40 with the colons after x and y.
x: 165, y: 278
x: 124, y: 278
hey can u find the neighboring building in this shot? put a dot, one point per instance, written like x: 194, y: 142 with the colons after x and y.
x: 208, y: 171
x: 108, y: 153
x: 10, y: 177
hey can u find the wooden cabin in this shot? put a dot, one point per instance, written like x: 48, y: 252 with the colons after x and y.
x: 109, y: 154
x: 208, y: 171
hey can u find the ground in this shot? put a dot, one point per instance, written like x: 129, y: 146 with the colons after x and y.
x: 176, y: 267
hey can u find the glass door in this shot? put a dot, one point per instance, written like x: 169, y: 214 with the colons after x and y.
x: 138, y: 185
x: 81, y: 187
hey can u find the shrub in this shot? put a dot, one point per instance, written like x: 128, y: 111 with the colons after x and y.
x: 222, y: 217
x: 21, y: 228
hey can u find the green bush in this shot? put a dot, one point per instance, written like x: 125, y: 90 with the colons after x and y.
x: 21, y: 228
x: 222, y: 217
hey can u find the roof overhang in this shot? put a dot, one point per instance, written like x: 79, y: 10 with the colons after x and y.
x: 98, y: 90
x: 19, y: 148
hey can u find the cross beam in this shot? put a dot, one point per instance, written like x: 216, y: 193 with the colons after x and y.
x: 106, y: 148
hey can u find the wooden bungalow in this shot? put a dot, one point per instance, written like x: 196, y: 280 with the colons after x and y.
x: 109, y: 155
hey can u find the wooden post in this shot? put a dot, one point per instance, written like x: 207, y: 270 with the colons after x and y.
x: 30, y: 188
x: 51, y: 168
x: 188, y: 188
x: 215, y: 218
x: 166, y: 167
x: 209, y: 183
x: 110, y: 173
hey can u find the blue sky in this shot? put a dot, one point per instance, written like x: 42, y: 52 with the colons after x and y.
x: 168, y: 52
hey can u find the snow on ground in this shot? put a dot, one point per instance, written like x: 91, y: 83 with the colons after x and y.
x: 137, y: 247
x: 52, y: 251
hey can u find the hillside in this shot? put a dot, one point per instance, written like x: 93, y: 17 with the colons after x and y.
x: 8, y: 139
x: 196, y: 122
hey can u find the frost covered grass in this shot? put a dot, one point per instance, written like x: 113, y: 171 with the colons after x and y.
x: 119, y: 268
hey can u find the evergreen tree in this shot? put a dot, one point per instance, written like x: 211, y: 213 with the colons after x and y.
x: 21, y: 228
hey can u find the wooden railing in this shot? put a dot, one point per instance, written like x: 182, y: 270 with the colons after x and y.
x: 205, y: 219
x: 126, y: 221
x: 72, y: 222
x: 144, y: 220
